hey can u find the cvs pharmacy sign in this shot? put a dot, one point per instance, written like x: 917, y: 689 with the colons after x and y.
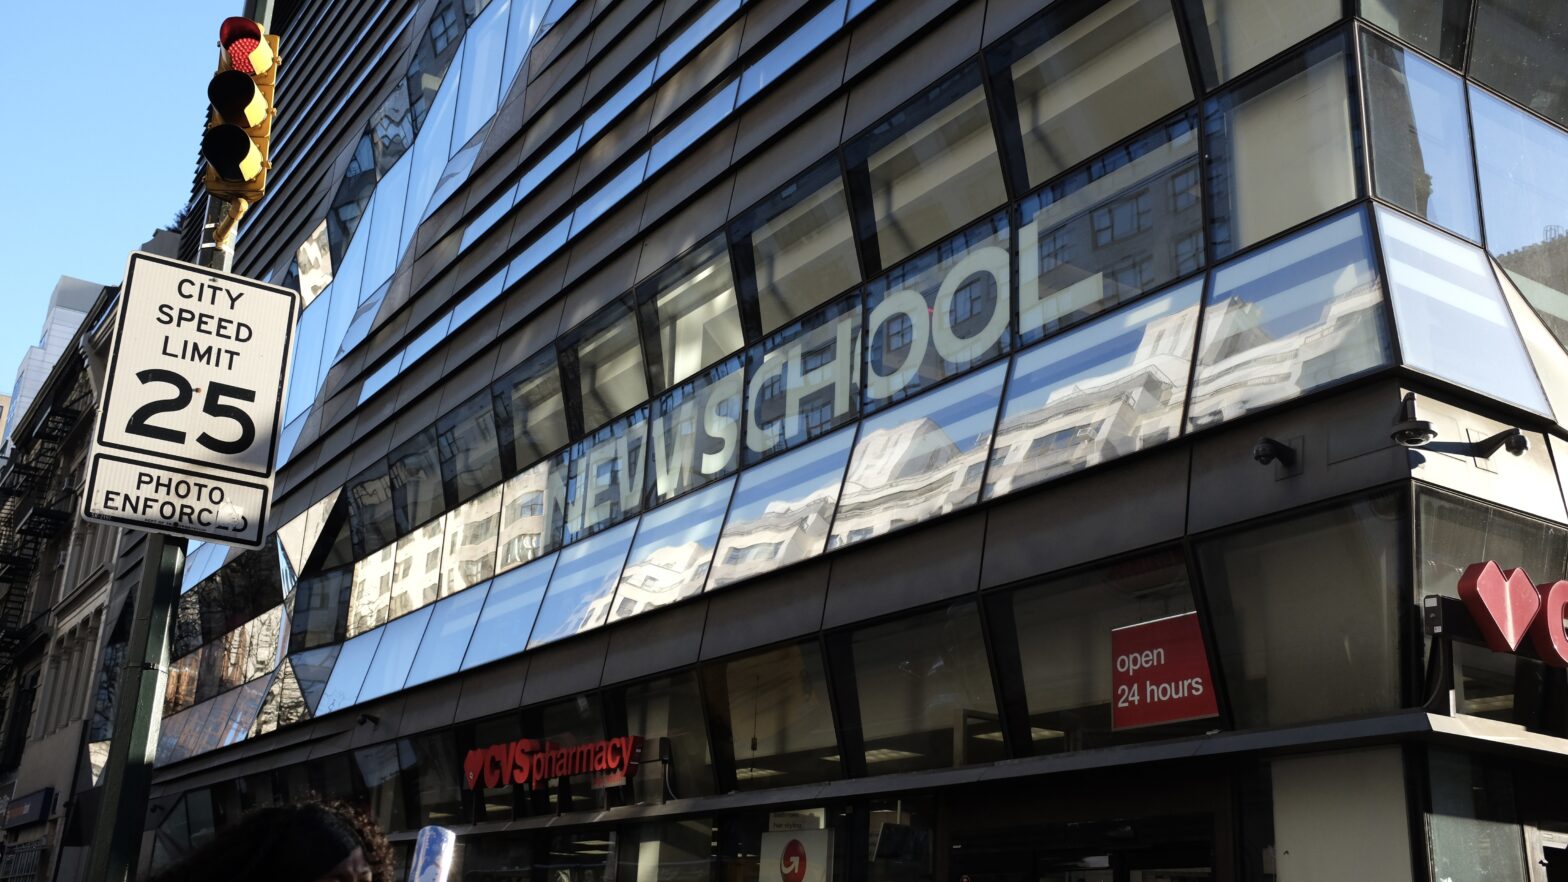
x: 1507, y: 606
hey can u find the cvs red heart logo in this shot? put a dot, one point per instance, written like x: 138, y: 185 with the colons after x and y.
x: 1503, y: 604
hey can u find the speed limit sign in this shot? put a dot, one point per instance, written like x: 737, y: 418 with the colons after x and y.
x: 188, y: 426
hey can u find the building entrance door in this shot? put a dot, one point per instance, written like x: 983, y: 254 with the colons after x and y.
x: 1161, y: 849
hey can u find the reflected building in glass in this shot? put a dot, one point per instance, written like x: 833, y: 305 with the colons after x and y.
x: 912, y: 441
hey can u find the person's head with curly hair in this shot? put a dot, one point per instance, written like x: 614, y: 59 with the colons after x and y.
x: 309, y: 841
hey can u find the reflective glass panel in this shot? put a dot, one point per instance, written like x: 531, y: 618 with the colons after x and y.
x: 415, y: 470
x: 321, y: 609
x: 940, y: 314
x: 530, y: 412
x: 1449, y: 309
x: 305, y: 373
x: 781, y: 510
x: 371, y: 594
x: 692, y: 304
x: 509, y: 612
x: 349, y: 673
x: 1521, y: 50
x: 608, y: 196
x: 483, y: 56
x: 1420, y: 137
x: 1299, y: 314
x: 669, y: 707
x: 798, y: 246
x: 416, y: 579
x: 370, y: 510
x: 312, y: 670
x: 926, y: 700
x: 919, y: 460
x: 780, y: 715
x: 486, y: 219
x: 533, y: 513
x: 804, y: 380
x: 699, y: 122
x: 1084, y: 81
x: 435, y: 138
x: 605, y: 475
x: 1100, y: 391
x: 315, y: 266
x: 1282, y: 148
x: 381, y: 770
x: 385, y: 229
x: 609, y: 365
x: 470, y: 452
x: 1063, y: 627
x: 526, y: 20
x: 389, y: 668
x: 672, y: 554
x: 546, y: 245
x: 446, y: 637
x: 932, y: 167
x: 1524, y: 197
x: 1440, y: 29
x: 477, y: 300
x: 1244, y: 32
x: 678, y: 47
x: 613, y: 106
x: 583, y: 586
x: 791, y: 50
x: 471, y: 532
x: 695, y: 433
x: 1122, y: 225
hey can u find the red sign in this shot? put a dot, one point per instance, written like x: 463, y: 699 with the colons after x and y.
x: 1160, y: 673
x: 792, y: 862
x: 610, y: 762
x: 1506, y: 606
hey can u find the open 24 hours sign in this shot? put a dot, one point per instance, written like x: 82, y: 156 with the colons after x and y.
x: 187, y: 433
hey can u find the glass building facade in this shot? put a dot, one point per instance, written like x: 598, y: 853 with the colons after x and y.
x: 844, y: 401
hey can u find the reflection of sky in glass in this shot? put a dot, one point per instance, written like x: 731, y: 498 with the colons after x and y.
x: 389, y: 668
x: 483, y: 55
x: 781, y: 509
x: 245, y: 708
x: 1449, y: 309
x: 920, y: 459
x: 509, y: 612
x: 792, y: 49
x: 446, y: 638
x: 385, y: 228
x: 583, y: 585
x: 695, y: 125
x: 1524, y: 192
x: 313, y: 669
x: 431, y: 147
x: 682, y: 44
x: 615, y: 104
x: 673, y: 551
x: 349, y: 672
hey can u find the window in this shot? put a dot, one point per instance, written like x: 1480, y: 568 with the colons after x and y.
x: 416, y: 580
x: 371, y: 593
x: 470, y: 455
x: 508, y: 614
x: 924, y: 685
x: 1420, y: 137
x: 533, y: 513
x: 1439, y: 29
x: 694, y: 437
x: 530, y: 412
x: 1242, y: 33
x: 796, y: 249
x: 673, y: 551
x: 320, y: 609
x: 607, y: 360
x: 669, y: 707
x: 1083, y: 78
x: 930, y: 168
x: 605, y: 475
x: 804, y: 379
x: 1283, y: 147
x: 389, y: 667
x: 776, y: 707
x: 692, y: 306
x: 446, y: 637
x: 417, y: 491
x: 342, y: 687
x: 1521, y: 50
x: 471, y: 532
x: 1473, y: 824
x: 583, y: 586
x: 1306, y: 613
x: 1107, y: 232
x: 1300, y: 314
x: 370, y: 520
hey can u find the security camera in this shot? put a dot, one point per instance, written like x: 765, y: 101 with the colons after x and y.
x: 1267, y: 450
x: 1517, y: 444
x: 1413, y: 433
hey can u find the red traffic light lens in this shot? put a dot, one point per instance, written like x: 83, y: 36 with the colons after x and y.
x: 240, y: 38
x: 239, y: 54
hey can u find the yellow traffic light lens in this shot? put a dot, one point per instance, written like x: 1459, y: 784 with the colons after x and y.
x: 236, y: 99
x: 231, y: 152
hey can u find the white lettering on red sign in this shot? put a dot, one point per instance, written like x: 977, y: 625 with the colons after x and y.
x: 1160, y: 673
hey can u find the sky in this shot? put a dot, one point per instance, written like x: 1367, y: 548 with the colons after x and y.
x: 100, y: 122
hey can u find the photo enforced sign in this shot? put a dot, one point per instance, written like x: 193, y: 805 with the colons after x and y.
x: 188, y: 426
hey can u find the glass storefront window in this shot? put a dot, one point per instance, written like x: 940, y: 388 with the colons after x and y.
x: 605, y: 475
x: 780, y: 717
x: 919, y: 460
x: 1063, y: 628
x: 939, y: 315
x: 1083, y: 78
x: 381, y: 768
x: 1298, y: 315
x: 1473, y: 822
x: 417, y: 492
x: 530, y: 412
x: 803, y: 381
x: 508, y: 615
x: 1524, y: 199
x: 471, y: 533
x: 370, y: 510
x: 666, y: 851
x: 1100, y: 391
x: 694, y: 436
x: 607, y: 361
x: 669, y: 707
x: 1440, y: 29
x: 1452, y: 533
x: 1242, y: 33
x: 672, y: 554
x: 1447, y: 306
x: 930, y: 168
x: 781, y: 511
x: 416, y: 577
x: 1420, y: 137
x: 583, y: 586
x: 470, y: 454
x: 926, y: 699
x: 796, y: 249
x: 1306, y: 613
x: 1521, y: 50
x: 1124, y: 224
x: 394, y: 654
x: 565, y: 724
x: 446, y: 637
x: 533, y: 512
x: 370, y: 595
x: 437, y: 779
x: 692, y: 305
x: 1282, y: 148
x: 492, y: 803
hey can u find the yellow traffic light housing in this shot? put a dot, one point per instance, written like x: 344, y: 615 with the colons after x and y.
x: 235, y: 143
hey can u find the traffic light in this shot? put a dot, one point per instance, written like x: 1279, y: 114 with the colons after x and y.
x: 235, y: 143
